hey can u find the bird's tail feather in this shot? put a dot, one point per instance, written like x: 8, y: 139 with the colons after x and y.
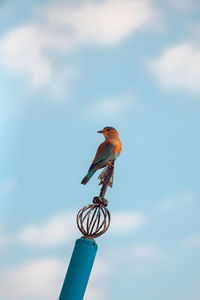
x: 88, y: 176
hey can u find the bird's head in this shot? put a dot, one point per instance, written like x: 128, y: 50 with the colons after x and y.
x: 109, y: 133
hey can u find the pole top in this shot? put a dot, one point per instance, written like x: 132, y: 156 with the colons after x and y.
x: 93, y: 220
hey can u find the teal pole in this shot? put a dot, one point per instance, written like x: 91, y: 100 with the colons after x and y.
x: 79, y: 270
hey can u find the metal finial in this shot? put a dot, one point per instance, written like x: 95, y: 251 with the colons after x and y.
x: 93, y: 220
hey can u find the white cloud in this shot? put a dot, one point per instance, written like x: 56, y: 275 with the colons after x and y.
x: 94, y: 293
x: 94, y: 290
x: 59, y: 229
x: 103, y: 22
x: 21, y: 50
x: 38, y: 280
x: 100, y: 268
x: 125, y: 222
x: 27, y: 50
x: 192, y: 241
x: 109, y: 108
x: 32, y: 49
x: 179, y: 66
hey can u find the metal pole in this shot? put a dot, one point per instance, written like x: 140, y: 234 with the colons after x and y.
x: 79, y: 269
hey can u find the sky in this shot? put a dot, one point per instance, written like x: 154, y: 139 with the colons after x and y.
x: 68, y: 69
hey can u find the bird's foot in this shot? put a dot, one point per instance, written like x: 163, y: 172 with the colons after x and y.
x: 110, y: 164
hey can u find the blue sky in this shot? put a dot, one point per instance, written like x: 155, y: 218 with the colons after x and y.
x: 68, y: 69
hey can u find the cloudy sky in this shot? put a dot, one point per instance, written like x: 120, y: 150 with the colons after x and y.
x: 67, y: 69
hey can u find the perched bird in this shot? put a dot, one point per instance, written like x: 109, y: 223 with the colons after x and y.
x: 107, y: 152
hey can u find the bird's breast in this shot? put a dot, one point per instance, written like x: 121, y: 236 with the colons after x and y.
x: 117, y: 148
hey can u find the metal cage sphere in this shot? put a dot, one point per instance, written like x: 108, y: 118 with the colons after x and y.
x: 93, y: 220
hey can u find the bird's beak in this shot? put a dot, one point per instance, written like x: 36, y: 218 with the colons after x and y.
x: 100, y: 131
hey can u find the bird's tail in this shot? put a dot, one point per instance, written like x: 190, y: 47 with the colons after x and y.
x: 88, y: 176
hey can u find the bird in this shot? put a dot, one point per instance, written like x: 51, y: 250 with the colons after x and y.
x: 107, y: 152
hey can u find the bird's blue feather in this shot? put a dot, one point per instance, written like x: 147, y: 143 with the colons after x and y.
x: 108, y: 149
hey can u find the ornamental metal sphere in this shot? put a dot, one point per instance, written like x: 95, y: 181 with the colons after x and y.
x: 93, y: 220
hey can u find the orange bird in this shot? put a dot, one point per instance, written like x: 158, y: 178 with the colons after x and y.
x: 107, y: 152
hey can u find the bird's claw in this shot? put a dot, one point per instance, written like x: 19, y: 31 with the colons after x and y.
x: 110, y: 164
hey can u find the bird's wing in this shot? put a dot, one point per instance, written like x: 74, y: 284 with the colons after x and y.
x: 102, y: 153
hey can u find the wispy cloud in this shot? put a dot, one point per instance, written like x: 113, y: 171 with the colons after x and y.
x: 100, y: 270
x: 192, y: 241
x: 21, y: 50
x: 40, y: 279
x: 110, y: 108
x: 7, y: 186
x: 32, y: 49
x: 59, y: 229
x: 172, y: 203
x: 147, y: 252
x: 3, y: 240
x: 125, y: 222
x: 5, y: 10
x: 179, y: 67
x: 61, y: 83
x: 183, y: 4
x: 93, y: 292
